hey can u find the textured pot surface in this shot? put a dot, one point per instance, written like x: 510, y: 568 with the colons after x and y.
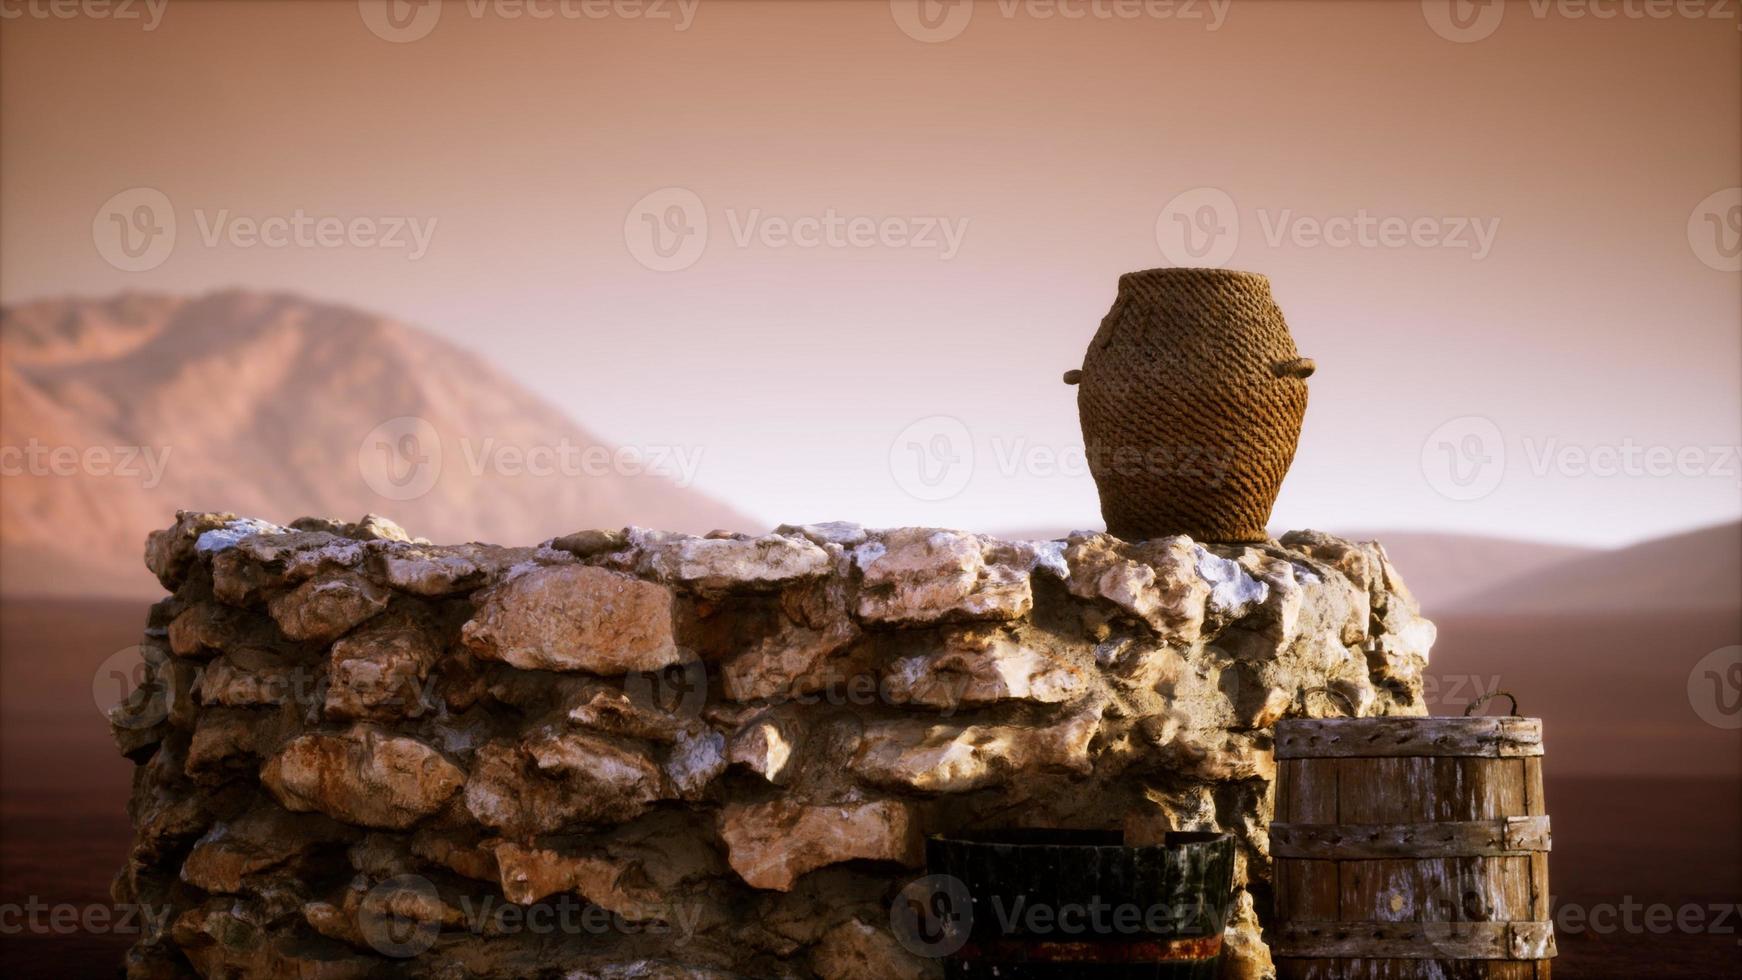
x: 1191, y: 396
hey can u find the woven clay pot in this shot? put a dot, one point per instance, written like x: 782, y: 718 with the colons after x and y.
x: 1191, y: 397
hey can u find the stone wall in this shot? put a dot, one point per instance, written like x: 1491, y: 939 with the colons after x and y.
x: 633, y: 754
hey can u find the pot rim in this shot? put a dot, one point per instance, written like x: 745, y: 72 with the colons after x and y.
x: 1172, y: 274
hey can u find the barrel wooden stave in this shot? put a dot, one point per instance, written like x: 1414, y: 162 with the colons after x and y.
x: 1333, y: 806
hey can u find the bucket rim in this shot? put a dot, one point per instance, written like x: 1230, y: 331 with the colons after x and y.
x: 1097, y: 840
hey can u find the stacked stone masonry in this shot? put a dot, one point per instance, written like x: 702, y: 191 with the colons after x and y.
x: 637, y: 754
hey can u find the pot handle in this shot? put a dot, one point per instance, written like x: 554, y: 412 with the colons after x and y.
x: 1103, y: 333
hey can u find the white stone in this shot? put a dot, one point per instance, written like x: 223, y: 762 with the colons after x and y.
x: 952, y: 758
x: 919, y: 575
x: 978, y: 667
x: 732, y: 564
x: 844, y: 533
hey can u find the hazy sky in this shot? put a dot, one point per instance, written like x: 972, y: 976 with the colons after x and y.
x: 1510, y: 241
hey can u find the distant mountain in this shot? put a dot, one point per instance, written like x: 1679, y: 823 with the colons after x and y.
x: 1607, y: 649
x: 1444, y: 570
x: 1698, y: 570
x: 115, y: 413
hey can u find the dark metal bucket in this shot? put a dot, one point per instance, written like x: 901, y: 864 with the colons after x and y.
x: 1054, y: 904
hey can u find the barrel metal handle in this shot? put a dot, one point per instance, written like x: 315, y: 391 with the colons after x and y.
x: 1477, y: 704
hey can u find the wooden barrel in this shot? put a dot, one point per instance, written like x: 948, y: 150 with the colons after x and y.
x: 1410, y: 847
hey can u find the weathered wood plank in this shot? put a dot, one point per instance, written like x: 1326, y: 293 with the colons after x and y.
x: 1534, y: 804
x: 1539, y: 893
x: 1414, y: 940
x: 1509, y: 878
x: 1312, y: 790
x: 1308, y: 890
x: 1341, y: 841
x: 1491, y: 737
x: 1495, y: 787
x: 1384, y: 790
x: 1451, y: 792
x: 1378, y: 891
x: 1292, y: 968
x: 1280, y: 792
x: 1307, y: 790
x: 1457, y: 889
